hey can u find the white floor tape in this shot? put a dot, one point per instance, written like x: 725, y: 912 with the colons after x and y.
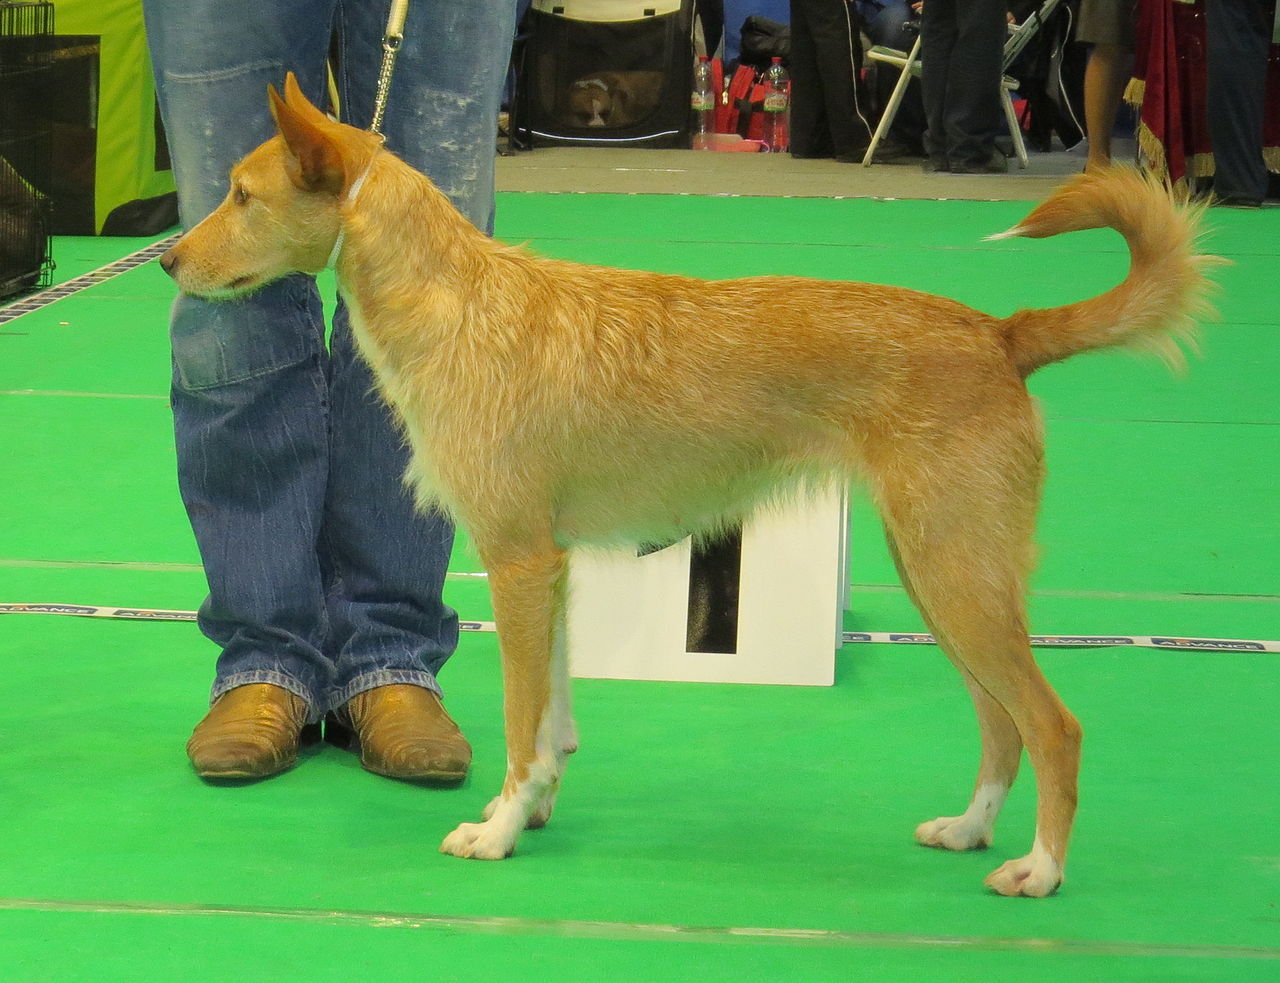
x: 854, y: 637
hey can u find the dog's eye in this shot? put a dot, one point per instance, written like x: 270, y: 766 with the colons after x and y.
x: 239, y: 195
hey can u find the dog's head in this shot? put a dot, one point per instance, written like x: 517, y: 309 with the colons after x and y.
x: 591, y: 101
x: 282, y: 212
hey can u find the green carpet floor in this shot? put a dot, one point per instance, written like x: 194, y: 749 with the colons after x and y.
x: 705, y: 832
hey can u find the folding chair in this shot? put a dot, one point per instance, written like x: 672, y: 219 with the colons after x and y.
x: 908, y: 63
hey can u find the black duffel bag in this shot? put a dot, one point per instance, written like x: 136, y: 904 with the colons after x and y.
x: 763, y: 40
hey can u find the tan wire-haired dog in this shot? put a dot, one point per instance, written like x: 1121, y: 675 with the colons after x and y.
x: 550, y: 404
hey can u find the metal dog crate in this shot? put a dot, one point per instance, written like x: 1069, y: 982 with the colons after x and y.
x: 26, y: 147
x: 604, y: 73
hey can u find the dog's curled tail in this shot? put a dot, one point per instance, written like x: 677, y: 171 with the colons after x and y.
x: 1156, y: 306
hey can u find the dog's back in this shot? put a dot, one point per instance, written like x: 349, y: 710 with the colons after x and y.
x: 720, y: 394
x: 666, y: 405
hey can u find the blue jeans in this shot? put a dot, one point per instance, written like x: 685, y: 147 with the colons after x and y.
x: 322, y: 577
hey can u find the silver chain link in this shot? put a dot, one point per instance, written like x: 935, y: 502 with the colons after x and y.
x: 391, y: 42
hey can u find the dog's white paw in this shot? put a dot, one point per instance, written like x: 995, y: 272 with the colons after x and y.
x: 537, y: 819
x: 479, y: 841
x: 1037, y: 875
x: 954, y: 833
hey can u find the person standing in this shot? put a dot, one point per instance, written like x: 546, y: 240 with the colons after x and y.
x: 324, y: 582
x: 1238, y: 35
x: 1109, y: 26
x: 961, y: 58
x: 830, y: 111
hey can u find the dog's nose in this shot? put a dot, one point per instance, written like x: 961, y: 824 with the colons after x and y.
x: 169, y: 262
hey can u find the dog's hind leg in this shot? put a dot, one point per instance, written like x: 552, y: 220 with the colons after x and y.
x: 528, y: 602
x: 962, y: 522
x: 1001, y: 754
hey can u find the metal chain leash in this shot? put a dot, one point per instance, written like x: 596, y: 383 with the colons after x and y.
x: 391, y: 41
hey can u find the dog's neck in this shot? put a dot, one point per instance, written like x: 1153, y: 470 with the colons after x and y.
x: 349, y: 199
x: 403, y: 222
x: 411, y: 266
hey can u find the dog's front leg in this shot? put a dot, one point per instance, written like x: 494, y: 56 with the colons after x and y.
x: 528, y: 604
x: 560, y: 723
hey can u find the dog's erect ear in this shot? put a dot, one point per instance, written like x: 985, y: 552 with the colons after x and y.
x: 298, y: 102
x: 317, y: 163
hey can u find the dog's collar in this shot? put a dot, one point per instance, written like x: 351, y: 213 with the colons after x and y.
x: 352, y: 192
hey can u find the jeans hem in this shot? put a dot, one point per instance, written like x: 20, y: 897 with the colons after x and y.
x: 238, y: 679
x: 384, y: 677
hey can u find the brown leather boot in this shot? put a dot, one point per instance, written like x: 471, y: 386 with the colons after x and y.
x: 404, y: 732
x: 250, y: 732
